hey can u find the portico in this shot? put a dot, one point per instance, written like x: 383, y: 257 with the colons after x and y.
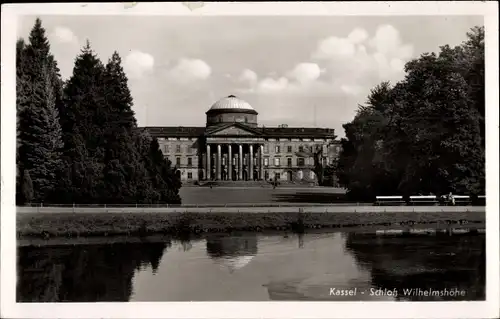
x: 227, y: 160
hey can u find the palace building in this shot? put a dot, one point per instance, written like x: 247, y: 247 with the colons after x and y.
x: 233, y: 147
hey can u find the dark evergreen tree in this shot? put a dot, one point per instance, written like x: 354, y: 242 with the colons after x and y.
x: 83, y: 120
x: 39, y: 131
x: 123, y: 171
x: 165, y: 183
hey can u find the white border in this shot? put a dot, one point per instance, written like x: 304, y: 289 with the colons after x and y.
x: 10, y: 309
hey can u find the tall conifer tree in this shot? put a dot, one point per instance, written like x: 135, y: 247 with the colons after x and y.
x: 123, y: 168
x: 82, y: 122
x: 40, y: 140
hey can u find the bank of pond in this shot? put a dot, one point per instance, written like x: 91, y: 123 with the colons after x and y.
x: 89, y: 222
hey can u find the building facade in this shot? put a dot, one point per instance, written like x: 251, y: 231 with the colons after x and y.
x: 233, y: 147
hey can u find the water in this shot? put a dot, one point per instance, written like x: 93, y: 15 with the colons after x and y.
x: 256, y: 267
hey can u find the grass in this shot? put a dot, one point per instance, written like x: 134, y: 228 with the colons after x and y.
x: 82, y: 224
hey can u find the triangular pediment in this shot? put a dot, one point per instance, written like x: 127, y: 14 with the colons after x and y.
x: 233, y: 130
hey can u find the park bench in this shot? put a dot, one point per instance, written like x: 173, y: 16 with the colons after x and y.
x: 423, y: 200
x: 389, y: 201
x: 460, y: 200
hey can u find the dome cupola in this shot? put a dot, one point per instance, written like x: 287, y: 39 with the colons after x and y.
x: 231, y: 109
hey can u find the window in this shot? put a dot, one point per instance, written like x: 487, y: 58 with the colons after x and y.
x: 266, y: 161
x: 289, y: 162
x: 311, y: 175
x: 190, y: 161
x: 266, y: 148
x: 301, y: 148
x: 289, y: 149
x: 177, y: 148
x: 278, y: 176
x: 300, y: 161
x: 189, y: 149
x: 166, y: 148
x: 276, y: 161
x: 190, y: 175
x: 277, y: 149
x: 177, y: 161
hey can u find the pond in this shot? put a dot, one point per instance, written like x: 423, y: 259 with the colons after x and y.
x: 320, y: 266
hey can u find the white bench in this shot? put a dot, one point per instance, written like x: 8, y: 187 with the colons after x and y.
x: 459, y: 199
x: 423, y: 200
x: 389, y: 200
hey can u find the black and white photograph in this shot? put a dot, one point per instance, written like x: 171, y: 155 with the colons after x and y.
x: 226, y: 160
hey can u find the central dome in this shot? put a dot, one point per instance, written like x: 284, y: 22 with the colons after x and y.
x: 231, y: 102
x: 231, y: 110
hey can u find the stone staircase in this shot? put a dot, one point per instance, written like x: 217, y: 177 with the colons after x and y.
x: 236, y: 184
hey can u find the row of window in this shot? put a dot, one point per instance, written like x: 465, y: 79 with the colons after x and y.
x: 277, y: 175
x: 277, y: 161
x: 166, y: 149
x: 277, y: 148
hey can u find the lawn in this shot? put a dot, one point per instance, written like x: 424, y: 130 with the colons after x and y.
x: 255, y: 195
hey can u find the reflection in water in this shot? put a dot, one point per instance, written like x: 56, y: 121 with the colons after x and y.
x: 428, y: 262
x: 232, y: 251
x: 253, y: 267
x: 83, y: 273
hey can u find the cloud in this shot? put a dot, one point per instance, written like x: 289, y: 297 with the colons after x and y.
x: 357, y: 36
x: 334, y: 47
x: 248, y: 76
x: 188, y: 70
x: 138, y: 63
x: 301, y: 76
x: 357, y: 62
x: 273, y: 85
x: 305, y: 73
x: 64, y: 35
x: 348, y: 66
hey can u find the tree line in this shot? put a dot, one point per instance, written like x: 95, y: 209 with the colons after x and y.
x: 78, y: 140
x: 426, y: 133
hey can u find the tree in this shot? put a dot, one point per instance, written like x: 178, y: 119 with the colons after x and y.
x: 425, y: 134
x: 362, y: 166
x: 123, y: 169
x: 164, y: 182
x: 39, y: 131
x: 27, y: 187
x: 83, y: 121
x: 317, y: 153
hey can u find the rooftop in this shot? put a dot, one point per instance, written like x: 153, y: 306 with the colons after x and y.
x: 231, y: 102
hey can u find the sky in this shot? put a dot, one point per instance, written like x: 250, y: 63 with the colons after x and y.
x: 302, y: 71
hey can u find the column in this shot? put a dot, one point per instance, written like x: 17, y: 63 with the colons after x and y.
x: 208, y: 169
x: 250, y: 167
x: 240, y: 168
x: 219, y: 162
x: 261, y: 161
x: 230, y: 163
x: 236, y: 166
